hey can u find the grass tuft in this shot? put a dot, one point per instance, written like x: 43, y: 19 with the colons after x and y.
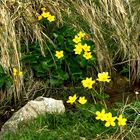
x: 78, y: 125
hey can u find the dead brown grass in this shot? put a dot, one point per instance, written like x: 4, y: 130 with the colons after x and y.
x: 18, y: 26
x: 108, y: 20
x: 116, y: 21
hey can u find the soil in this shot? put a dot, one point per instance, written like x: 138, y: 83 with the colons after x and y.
x: 121, y: 91
x: 4, y: 116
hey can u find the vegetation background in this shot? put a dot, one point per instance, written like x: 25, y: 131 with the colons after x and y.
x: 112, y: 28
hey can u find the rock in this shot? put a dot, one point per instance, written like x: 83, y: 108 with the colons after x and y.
x: 31, y: 110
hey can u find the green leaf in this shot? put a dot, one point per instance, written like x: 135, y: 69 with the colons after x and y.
x: 31, y: 58
x: 8, y: 83
x: 1, y: 69
x: 90, y: 43
x: 46, y: 65
x: 102, y: 96
x: 61, y: 75
x: 83, y: 63
x: 2, y: 80
x: 55, y: 82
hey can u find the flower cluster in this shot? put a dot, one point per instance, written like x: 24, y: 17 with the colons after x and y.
x: 47, y: 15
x: 102, y: 77
x: 79, y: 47
x: 59, y: 54
x: 16, y: 72
x: 88, y: 82
x: 109, y: 119
x: 72, y: 99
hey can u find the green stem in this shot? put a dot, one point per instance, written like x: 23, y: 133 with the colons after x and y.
x: 101, y: 91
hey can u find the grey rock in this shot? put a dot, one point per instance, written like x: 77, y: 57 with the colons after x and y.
x: 31, y: 110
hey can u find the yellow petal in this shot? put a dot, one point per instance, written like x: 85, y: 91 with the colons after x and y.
x: 43, y: 9
x: 40, y: 17
x: 107, y: 124
x: 97, y: 113
x: 20, y: 73
x: 14, y: 70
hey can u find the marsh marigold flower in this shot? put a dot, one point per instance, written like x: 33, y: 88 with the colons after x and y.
x: 88, y: 82
x: 51, y: 18
x: 46, y: 14
x: 78, y: 48
x: 81, y: 34
x: 110, y: 121
x: 121, y: 120
x: 103, y: 77
x: 87, y: 55
x: 16, y: 72
x: 101, y: 115
x: 59, y: 54
x: 86, y: 48
x: 43, y: 9
x: 72, y: 99
x: 20, y: 73
x: 76, y: 39
x: 40, y: 17
x: 82, y: 100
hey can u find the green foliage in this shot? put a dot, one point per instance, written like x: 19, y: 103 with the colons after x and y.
x: 125, y: 70
x: 80, y: 124
x: 102, y: 96
x: 69, y: 69
x: 132, y: 111
x: 5, y: 79
x: 63, y: 127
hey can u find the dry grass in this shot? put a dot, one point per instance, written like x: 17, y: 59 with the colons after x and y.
x: 115, y: 24
x: 132, y: 129
x: 116, y: 28
x: 18, y: 26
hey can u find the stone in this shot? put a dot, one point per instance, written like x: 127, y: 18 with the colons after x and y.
x: 33, y: 109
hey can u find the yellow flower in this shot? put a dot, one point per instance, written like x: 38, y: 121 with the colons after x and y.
x: 103, y: 77
x: 40, y: 17
x: 121, y: 120
x: 43, y: 9
x: 78, y: 48
x: 72, y: 99
x: 86, y: 48
x: 45, y: 14
x: 110, y: 121
x: 77, y: 39
x: 81, y: 34
x: 82, y: 100
x: 88, y: 82
x: 87, y: 55
x: 12, y: 109
x: 16, y: 72
x: 101, y: 115
x: 59, y: 54
x: 51, y: 18
x: 20, y: 73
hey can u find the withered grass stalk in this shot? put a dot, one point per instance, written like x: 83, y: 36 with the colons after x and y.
x: 19, y: 26
x: 116, y: 21
x: 112, y: 22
